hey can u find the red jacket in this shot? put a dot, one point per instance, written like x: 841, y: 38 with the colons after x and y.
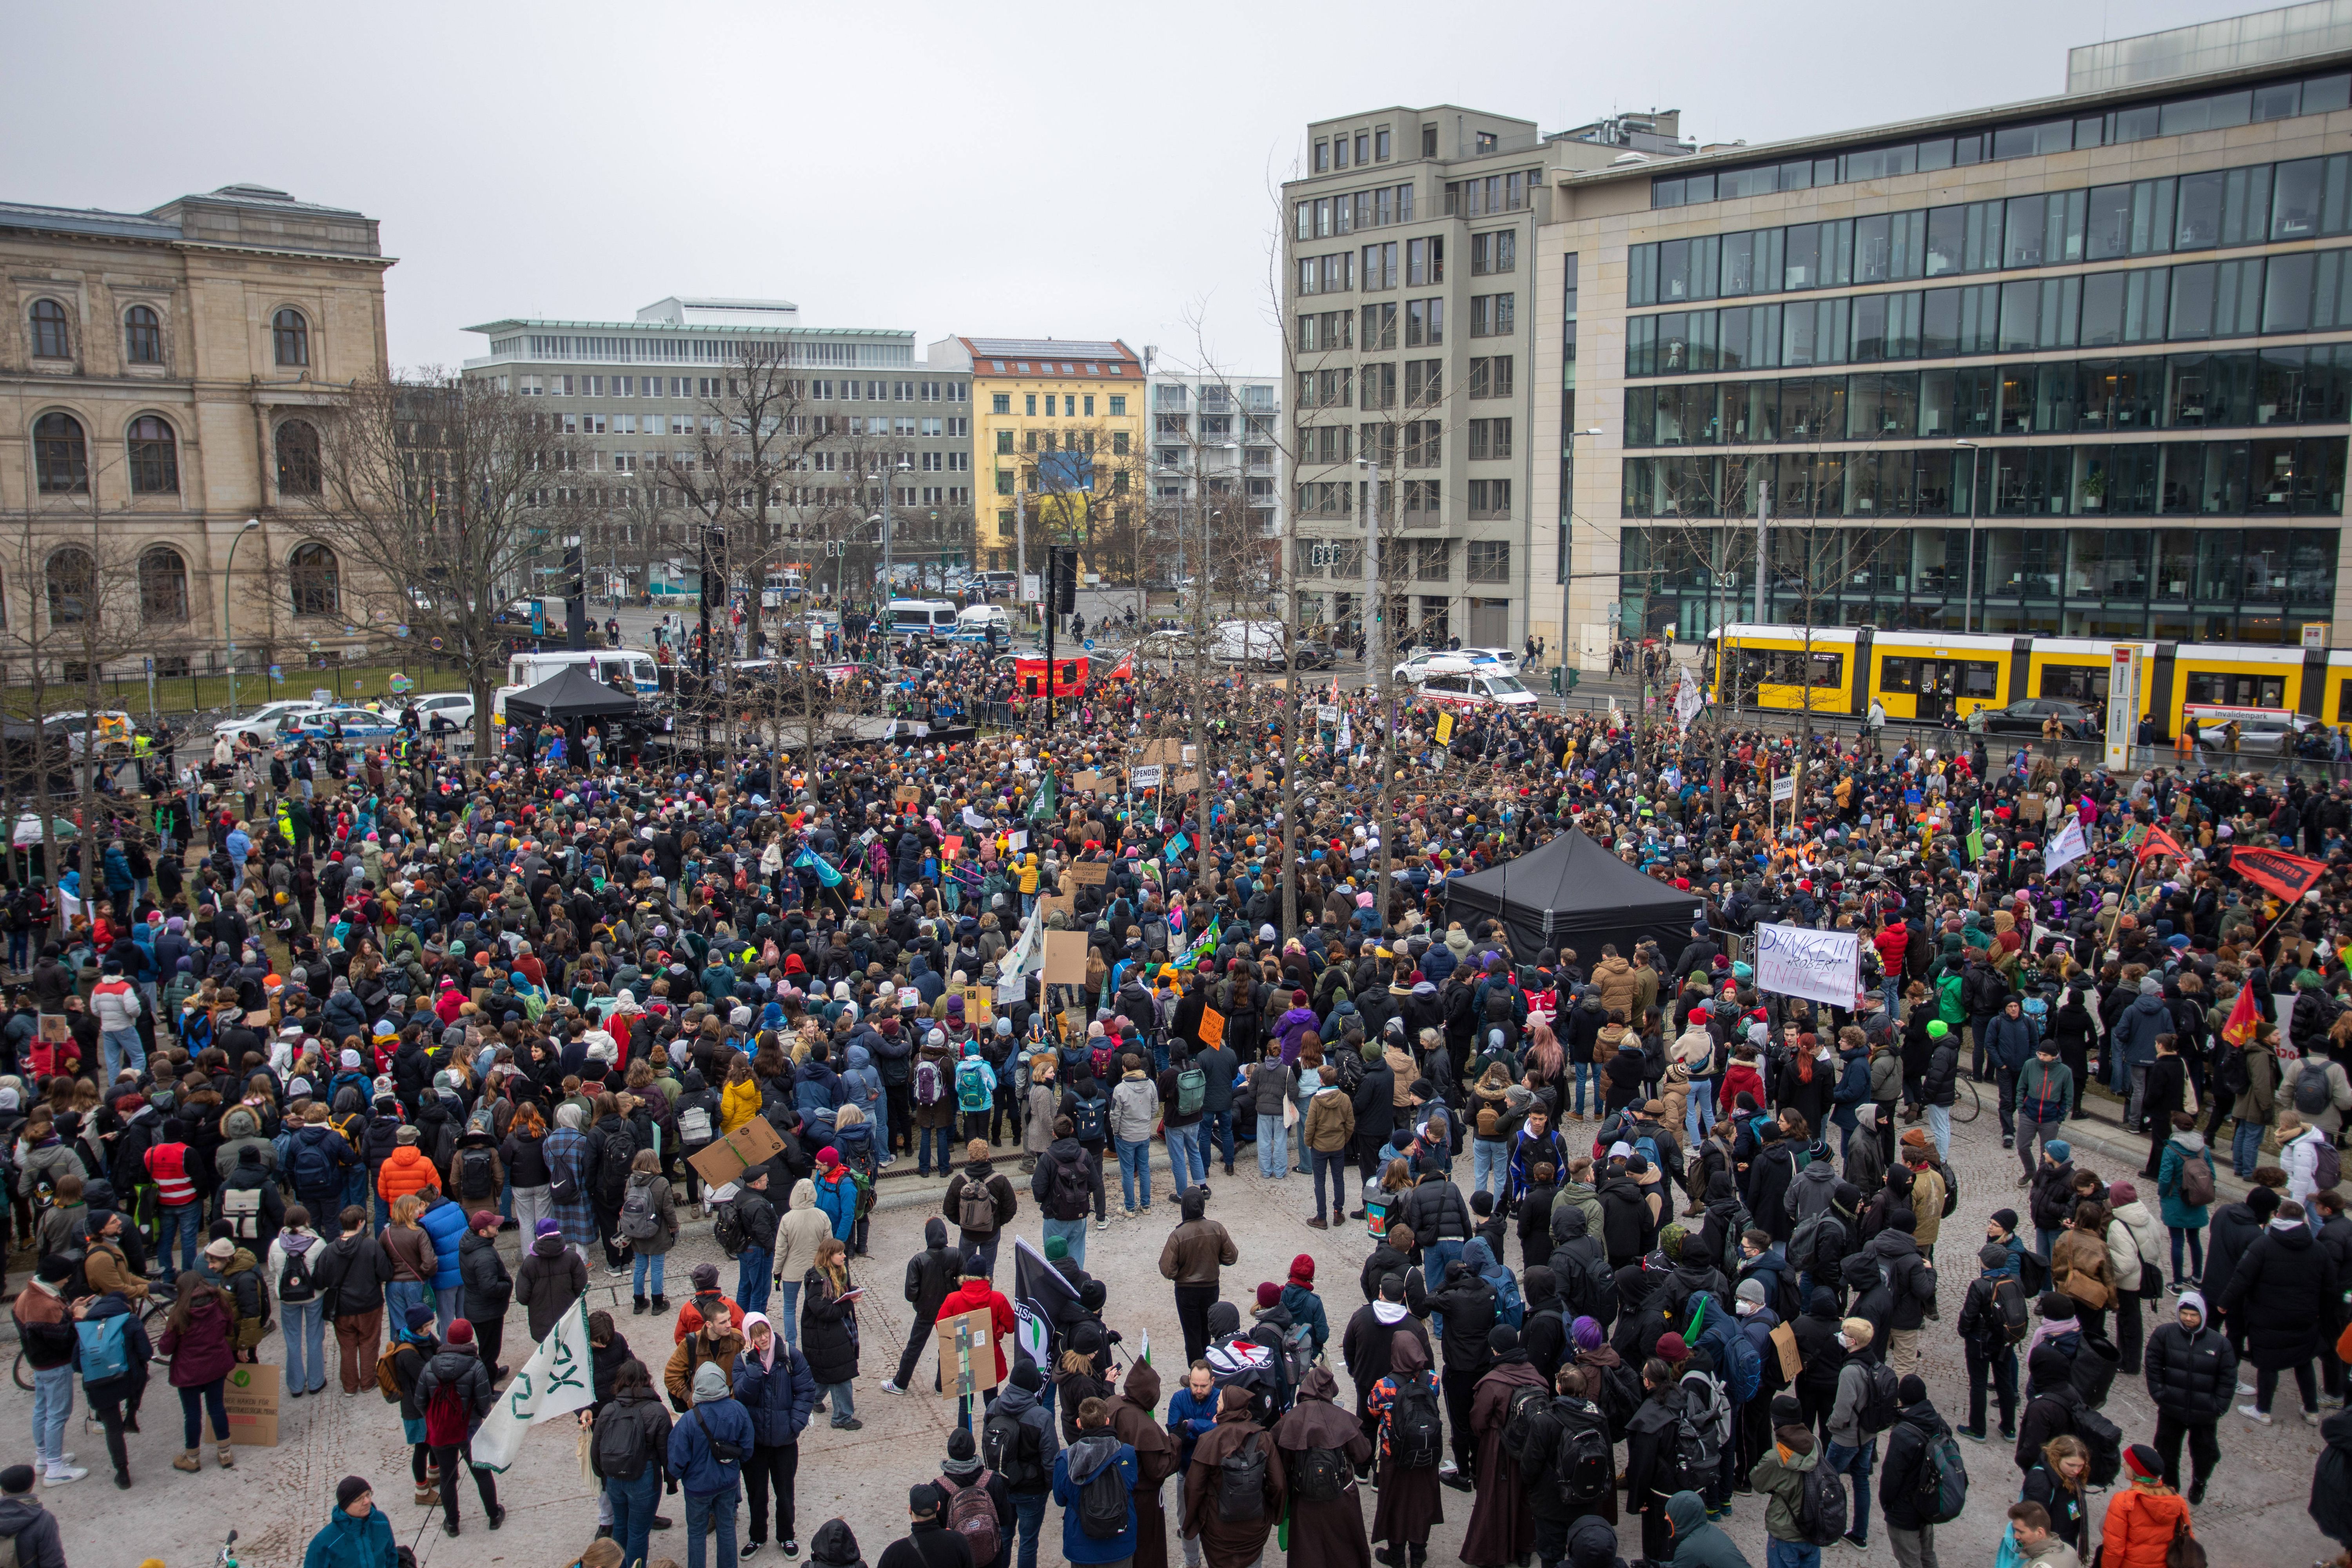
x: 971, y: 1296
x: 1739, y: 1078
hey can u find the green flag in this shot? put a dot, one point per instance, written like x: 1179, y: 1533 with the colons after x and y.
x: 1041, y: 808
x: 1976, y: 835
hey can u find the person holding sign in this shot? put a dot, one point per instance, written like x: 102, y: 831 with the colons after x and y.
x: 974, y: 1294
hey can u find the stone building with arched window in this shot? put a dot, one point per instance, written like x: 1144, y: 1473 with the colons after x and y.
x: 164, y: 373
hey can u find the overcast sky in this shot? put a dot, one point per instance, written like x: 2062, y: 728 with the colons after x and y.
x: 1016, y: 170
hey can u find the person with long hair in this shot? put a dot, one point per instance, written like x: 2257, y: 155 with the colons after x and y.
x: 2059, y: 1482
x: 829, y: 1329
x: 199, y: 1342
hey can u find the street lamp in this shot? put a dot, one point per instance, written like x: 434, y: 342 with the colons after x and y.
x: 1969, y: 586
x: 250, y: 524
x: 887, y: 476
x: 1568, y: 501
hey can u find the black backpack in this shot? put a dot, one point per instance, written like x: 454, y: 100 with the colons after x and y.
x: 1820, y: 1505
x: 1010, y: 1448
x: 295, y: 1284
x: 1878, y: 1410
x: 1068, y: 1191
x: 1588, y: 1469
x: 728, y: 1230
x: 1103, y: 1503
x: 1530, y: 1407
x: 2009, y: 1301
x: 1241, y: 1481
x: 313, y: 1168
x: 1319, y: 1474
x: 620, y: 1441
x: 1088, y: 1115
x: 477, y: 1174
x: 2105, y: 1439
x: 1942, y: 1488
x: 1416, y: 1433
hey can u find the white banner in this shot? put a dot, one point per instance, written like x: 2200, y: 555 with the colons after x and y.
x: 1784, y: 788
x: 556, y: 1380
x: 1688, y: 701
x: 1796, y: 961
x: 2067, y: 847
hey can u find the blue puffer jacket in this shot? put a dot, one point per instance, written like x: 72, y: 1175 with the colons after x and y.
x: 698, y: 1469
x: 779, y: 1399
x: 348, y: 1543
x: 444, y: 1222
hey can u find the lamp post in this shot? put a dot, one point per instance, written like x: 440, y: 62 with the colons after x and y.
x: 250, y: 524
x: 1968, y: 585
x: 1568, y: 501
x: 888, y: 475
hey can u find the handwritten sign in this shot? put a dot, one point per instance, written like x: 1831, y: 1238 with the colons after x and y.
x: 978, y: 1005
x: 1213, y: 1028
x: 1089, y: 874
x: 250, y: 1396
x: 1163, y: 752
x: 967, y: 1344
x: 1087, y: 779
x: 907, y: 795
x: 1066, y: 958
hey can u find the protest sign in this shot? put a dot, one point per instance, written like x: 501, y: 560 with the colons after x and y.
x: 753, y: 1143
x: 1066, y: 958
x: 1796, y: 961
x: 1089, y: 874
x: 967, y: 1344
x: 250, y: 1395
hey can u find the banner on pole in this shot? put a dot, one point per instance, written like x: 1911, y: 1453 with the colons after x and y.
x: 1797, y: 961
x: 555, y: 1381
x: 1784, y: 788
x: 2069, y: 847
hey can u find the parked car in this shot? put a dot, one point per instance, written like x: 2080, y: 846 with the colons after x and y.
x: 2027, y: 717
x: 266, y: 723
x: 454, y: 708
x: 1313, y: 653
x: 111, y: 730
x: 1413, y: 670
x: 356, y: 723
x: 1507, y: 658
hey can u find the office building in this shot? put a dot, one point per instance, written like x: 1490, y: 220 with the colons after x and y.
x: 2079, y: 366
x: 1213, y: 444
x: 163, y: 369
x: 1059, y: 443
x: 864, y: 404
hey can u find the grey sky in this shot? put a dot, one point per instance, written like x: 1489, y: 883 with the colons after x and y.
x: 1020, y: 170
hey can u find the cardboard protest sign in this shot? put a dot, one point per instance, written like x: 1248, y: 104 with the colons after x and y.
x: 977, y: 1004
x: 753, y: 1143
x: 1066, y: 903
x: 967, y: 1344
x: 1089, y: 874
x: 1213, y: 1028
x: 1066, y: 958
x: 251, y: 1395
x: 1165, y: 752
x: 1184, y: 784
x: 1086, y: 779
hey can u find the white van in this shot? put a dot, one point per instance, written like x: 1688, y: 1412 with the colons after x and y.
x: 977, y: 623
x: 922, y: 617
x: 619, y: 667
x: 1252, y: 645
x: 1481, y: 686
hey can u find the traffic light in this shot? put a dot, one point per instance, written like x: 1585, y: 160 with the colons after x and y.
x: 1066, y: 580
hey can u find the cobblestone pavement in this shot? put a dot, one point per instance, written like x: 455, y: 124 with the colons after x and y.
x: 277, y: 1498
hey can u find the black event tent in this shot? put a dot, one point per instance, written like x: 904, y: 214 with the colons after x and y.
x: 1571, y: 892
x: 569, y: 694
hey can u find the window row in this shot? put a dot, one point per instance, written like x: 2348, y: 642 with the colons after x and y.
x: 2230, y: 389
x: 156, y: 589
x: 1327, y: 215
x: 151, y: 456
x: 2115, y: 127
x: 1491, y: 193
x: 50, y: 333
x: 2304, y: 291
x: 2186, y: 479
x: 2305, y: 199
x: 1371, y: 147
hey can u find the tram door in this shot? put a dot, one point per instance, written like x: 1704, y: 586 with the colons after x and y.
x: 1939, y: 688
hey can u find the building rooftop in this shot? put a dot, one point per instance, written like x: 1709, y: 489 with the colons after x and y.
x: 244, y: 216
x: 525, y: 323
x: 2259, y: 38
x: 1048, y: 348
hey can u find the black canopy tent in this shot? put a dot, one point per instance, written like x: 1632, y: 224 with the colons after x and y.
x: 571, y: 693
x: 1571, y: 892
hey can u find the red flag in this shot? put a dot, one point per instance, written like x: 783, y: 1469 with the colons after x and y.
x: 2288, y: 877
x: 2159, y: 842
x: 1125, y: 668
x: 2239, y: 1027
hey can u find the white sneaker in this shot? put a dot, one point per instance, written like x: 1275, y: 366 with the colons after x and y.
x: 2251, y: 1414
x: 63, y: 1474
x: 1447, y: 1467
x: 889, y: 1387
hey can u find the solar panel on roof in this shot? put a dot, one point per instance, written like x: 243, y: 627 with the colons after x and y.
x: 1039, y: 348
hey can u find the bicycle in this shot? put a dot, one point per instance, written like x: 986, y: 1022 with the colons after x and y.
x: 159, y: 1302
x: 1967, y: 1103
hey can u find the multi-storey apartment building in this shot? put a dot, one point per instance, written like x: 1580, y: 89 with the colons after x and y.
x: 1409, y: 267
x: 1215, y: 441
x: 633, y: 389
x: 2081, y: 365
x: 1059, y: 440
x: 163, y: 370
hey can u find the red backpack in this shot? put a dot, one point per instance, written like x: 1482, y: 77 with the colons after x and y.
x: 971, y: 1513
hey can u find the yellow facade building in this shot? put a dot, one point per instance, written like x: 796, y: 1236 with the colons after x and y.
x: 1058, y: 442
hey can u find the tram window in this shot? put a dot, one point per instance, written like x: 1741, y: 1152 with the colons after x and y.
x: 1980, y: 679
x: 1901, y: 677
x: 2237, y: 691
x: 2344, y: 703
x: 1789, y: 669
x: 2074, y: 682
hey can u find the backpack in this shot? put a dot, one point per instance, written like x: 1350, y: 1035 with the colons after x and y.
x: 976, y: 1209
x: 620, y: 1442
x: 241, y: 1206
x: 104, y: 1353
x: 1593, y: 1291
x: 2105, y: 1439
x: 2311, y: 1095
x: 1736, y: 1356
x: 1067, y: 1191
x: 1588, y: 1469
x: 1807, y: 1241
x: 1951, y: 1188
x: 975, y: 1087
x: 2326, y: 1167
x: 928, y: 1090
x: 1088, y: 1115
x: 1241, y: 1481
x: 295, y: 1284
x: 1820, y: 1505
x: 638, y: 1222
x: 2231, y: 1076
x: 971, y: 1513
x: 1878, y: 1403
x: 312, y: 1170
x: 1297, y: 1353
x: 1010, y: 1449
x: 1416, y: 1435
x: 445, y: 1417
x: 1531, y: 1404
x: 477, y: 1174
x: 387, y: 1377
x: 728, y: 1230
x: 1697, y: 1459
x: 1319, y: 1474
x: 694, y: 1125
x: 1646, y: 1147
x: 1191, y: 1093
x: 2196, y: 1179
x: 1711, y: 1414
x: 2008, y: 1299
x: 618, y: 1146
x: 483, y: 1119
x: 1942, y: 1488
x: 1102, y: 1503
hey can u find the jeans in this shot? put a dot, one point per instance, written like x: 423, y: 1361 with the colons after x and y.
x: 1335, y: 1164
x: 402, y: 1294
x: 1187, y: 1161
x: 117, y: 1046
x: 2030, y: 1133
x: 188, y: 1220
x: 1856, y: 1462
x: 1028, y: 1522
x: 1217, y: 1127
x: 1435, y: 1257
x: 1273, y: 1150
x: 1780, y: 1553
x: 634, y: 1505
x: 204, y: 1399
x: 1586, y: 1073
x: 1073, y: 1233
x: 647, y: 1271
x: 306, y: 1373
x: 842, y: 1408
x: 923, y: 1137
x: 1489, y: 1158
x: 1939, y: 1128
x: 754, y: 1269
x: 712, y: 1514
x: 2245, y: 1147
x: 52, y: 1404
x: 2196, y: 1240
x: 1134, y: 1170
x: 787, y: 1315
x: 1698, y: 1113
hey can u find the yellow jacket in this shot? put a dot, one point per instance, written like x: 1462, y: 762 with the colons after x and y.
x: 737, y: 1103
x: 1029, y: 874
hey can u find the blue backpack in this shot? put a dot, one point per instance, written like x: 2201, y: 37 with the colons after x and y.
x: 1735, y: 1357
x: 103, y: 1353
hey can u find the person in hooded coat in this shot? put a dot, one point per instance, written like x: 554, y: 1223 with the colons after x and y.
x: 1133, y: 1422
x: 2283, y: 1285
x: 1592, y: 1543
x: 930, y: 1279
x: 1410, y: 1504
x: 1502, y: 1529
x: 1229, y: 1542
x: 2191, y: 1372
x: 1329, y: 1530
x: 1697, y: 1542
x: 2331, y: 1480
x: 1651, y: 1475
